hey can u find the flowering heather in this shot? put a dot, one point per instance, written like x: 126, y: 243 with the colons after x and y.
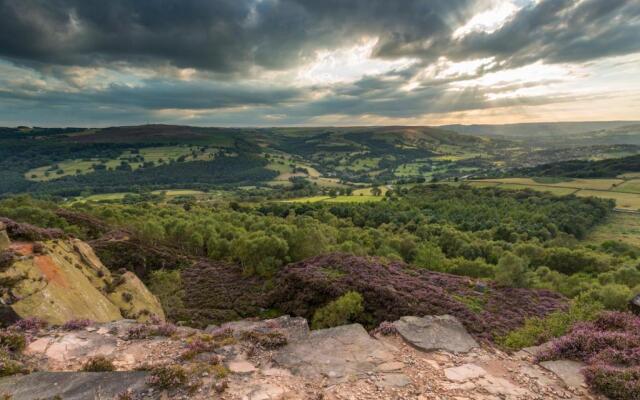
x: 30, y: 324
x: 167, y: 330
x: 76, y: 324
x: 392, y: 289
x: 138, y: 332
x: 24, y: 231
x: 610, y: 345
x: 385, y: 328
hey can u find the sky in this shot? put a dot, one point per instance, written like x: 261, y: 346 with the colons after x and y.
x: 317, y: 62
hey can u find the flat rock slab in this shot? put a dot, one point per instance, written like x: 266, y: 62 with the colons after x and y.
x: 394, y: 380
x: 464, y: 372
x: 336, y: 353
x: 293, y: 328
x: 432, y: 333
x: 71, y: 347
x: 569, y: 371
x: 73, y: 385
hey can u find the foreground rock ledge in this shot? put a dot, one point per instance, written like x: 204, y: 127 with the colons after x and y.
x: 73, y: 385
x: 433, y: 333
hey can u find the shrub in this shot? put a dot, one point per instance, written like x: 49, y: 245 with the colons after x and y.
x: 76, y: 324
x: 98, y: 364
x: 6, y: 259
x: 220, y: 371
x: 539, y: 330
x: 610, y: 345
x: 613, y: 296
x: 12, y: 341
x: 338, y: 312
x: 167, y: 377
x: 512, y: 271
x: 9, y: 366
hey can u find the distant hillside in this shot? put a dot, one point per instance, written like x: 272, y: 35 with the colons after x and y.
x: 71, y: 161
x: 585, y: 168
x: 540, y: 129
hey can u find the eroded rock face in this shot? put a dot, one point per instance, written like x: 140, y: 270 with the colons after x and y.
x: 74, y: 385
x: 337, y: 353
x: 64, y: 280
x: 432, y: 333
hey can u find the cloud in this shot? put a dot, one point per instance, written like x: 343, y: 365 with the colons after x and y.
x: 292, y: 61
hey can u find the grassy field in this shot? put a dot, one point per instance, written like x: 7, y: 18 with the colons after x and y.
x: 592, y: 184
x: 622, y: 227
x: 559, y: 191
x: 337, y: 199
x: 179, y: 192
x: 367, y: 191
x: 157, y: 155
x: 629, y: 201
x: 625, y: 193
x: 630, y: 186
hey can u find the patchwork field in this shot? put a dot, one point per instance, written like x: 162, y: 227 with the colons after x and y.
x: 337, y: 199
x: 624, y: 227
x: 157, y: 155
x: 628, y: 201
x: 626, y: 193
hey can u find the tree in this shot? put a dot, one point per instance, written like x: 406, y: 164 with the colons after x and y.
x: 376, y: 191
x: 429, y: 256
x: 260, y: 253
x: 512, y: 271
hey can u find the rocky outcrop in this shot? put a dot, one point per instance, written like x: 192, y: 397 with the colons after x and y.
x: 336, y: 363
x: 432, y: 333
x: 62, y: 279
x: 338, y: 354
x: 74, y: 385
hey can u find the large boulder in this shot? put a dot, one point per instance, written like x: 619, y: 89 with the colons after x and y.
x: 74, y: 385
x: 64, y: 280
x: 432, y: 333
x: 338, y: 354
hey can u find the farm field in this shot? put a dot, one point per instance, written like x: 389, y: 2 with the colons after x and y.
x: 625, y: 193
x: 631, y: 186
x: 593, y: 184
x: 623, y: 227
x: 157, y: 155
x: 337, y: 199
x: 627, y: 201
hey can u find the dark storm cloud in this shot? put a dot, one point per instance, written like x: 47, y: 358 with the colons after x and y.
x: 220, y: 35
x: 225, y: 40
x: 160, y: 94
x: 560, y: 31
